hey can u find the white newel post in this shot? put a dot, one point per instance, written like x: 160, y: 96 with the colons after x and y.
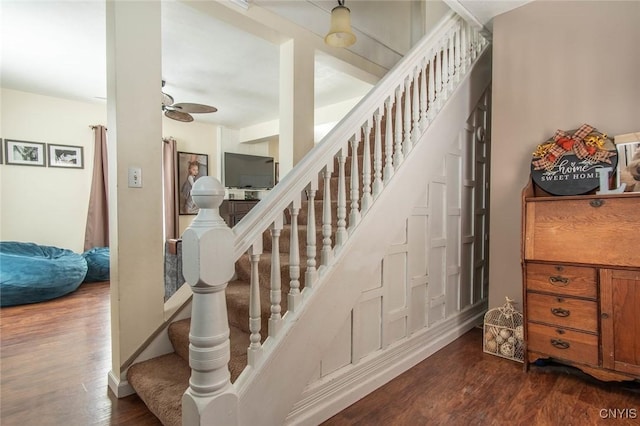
x: 208, y: 265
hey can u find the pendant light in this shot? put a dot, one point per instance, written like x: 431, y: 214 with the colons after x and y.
x: 340, y: 34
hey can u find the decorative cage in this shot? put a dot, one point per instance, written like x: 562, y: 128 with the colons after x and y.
x: 503, y: 332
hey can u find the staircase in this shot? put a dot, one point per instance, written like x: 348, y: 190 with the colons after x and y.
x: 305, y: 254
x: 161, y: 382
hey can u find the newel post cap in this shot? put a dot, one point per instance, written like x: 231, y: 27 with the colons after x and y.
x: 207, y: 192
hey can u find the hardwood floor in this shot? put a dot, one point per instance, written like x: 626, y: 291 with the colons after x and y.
x: 55, y: 356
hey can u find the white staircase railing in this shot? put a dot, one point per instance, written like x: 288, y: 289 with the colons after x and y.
x: 372, y: 141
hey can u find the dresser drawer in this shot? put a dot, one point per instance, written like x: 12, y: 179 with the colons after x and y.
x: 563, y: 344
x: 561, y: 279
x: 563, y: 312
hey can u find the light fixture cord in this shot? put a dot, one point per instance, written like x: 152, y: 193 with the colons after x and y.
x: 341, y: 2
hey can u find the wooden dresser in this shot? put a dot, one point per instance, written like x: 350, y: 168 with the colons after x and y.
x: 581, y: 274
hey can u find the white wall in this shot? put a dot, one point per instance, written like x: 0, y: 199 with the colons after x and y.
x: 47, y: 205
x: 64, y: 193
x: 556, y: 65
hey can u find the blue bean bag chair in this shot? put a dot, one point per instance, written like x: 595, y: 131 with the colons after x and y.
x: 98, y: 263
x: 31, y: 273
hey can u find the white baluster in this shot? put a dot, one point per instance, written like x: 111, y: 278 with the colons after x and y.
x: 451, y: 62
x: 275, y: 295
x: 354, y: 214
x: 464, y: 48
x: 377, y: 154
x: 438, y: 80
x: 407, y: 145
x: 474, y: 41
x: 294, y: 296
x: 458, y: 56
x: 388, y: 141
x: 366, y: 167
x: 341, y: 232
x: 443, y: 72
x: 208, y: 240
x: 254, y: 352
x: 423, y: 96
x: 326, y: 253
x: 431, y: 112
x: 311, y: 274
x: 415, y: 109
x: 398, y: 153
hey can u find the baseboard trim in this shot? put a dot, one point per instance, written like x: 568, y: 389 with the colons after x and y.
x: 335, y: 392
x: 120, y: 388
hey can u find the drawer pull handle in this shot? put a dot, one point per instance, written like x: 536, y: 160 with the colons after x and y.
x: 559, y: 281
x: 559, y: 312
x: 596, y: 203
x: 560, y: 344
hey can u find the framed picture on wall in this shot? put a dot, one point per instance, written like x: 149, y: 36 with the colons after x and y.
x: 191, y: 167
x: 66, y: 156
x: 24, y: 153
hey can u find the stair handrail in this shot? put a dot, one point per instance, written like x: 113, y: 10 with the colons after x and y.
x: 251, y: 227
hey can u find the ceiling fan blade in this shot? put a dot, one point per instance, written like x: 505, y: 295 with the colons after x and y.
x: 167, y: 99
x: 178, y: 115
x: 194, y: 108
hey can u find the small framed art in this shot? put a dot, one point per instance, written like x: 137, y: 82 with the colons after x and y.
x: 191, y: 167
x: 66, y: 156
x: 24, y: 153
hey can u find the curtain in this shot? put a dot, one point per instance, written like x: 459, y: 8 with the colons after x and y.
x: 97, y: 229
x: 169, y: 155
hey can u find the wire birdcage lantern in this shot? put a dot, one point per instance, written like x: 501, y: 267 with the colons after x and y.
x: 504, y: 333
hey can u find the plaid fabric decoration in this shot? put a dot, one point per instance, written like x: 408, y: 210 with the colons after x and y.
x: 579, y: 148
x: 602, y: 155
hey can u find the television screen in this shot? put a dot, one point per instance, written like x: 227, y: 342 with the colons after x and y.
x: 248, y: 171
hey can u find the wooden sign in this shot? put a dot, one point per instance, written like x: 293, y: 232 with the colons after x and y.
x: 571, y: 176
x: 568, y: 163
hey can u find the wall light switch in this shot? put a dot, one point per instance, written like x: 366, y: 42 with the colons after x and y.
x: 135, y: 177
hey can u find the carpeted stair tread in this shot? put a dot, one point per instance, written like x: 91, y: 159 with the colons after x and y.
x: 160, y: 382
x: 179, y: 337
x: 243, y: 270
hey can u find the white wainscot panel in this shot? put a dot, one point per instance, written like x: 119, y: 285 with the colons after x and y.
x: 435, y: 293
x: 339, y: 353
x: 370, y: 331
x: 396, y: 330
x: 418, y: 311
x: 394, y: 276
x: 417, y: 245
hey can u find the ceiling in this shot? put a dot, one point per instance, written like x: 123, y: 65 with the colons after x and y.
x: 57, y: 48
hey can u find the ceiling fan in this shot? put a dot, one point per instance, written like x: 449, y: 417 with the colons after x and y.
x: 182, y: 111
